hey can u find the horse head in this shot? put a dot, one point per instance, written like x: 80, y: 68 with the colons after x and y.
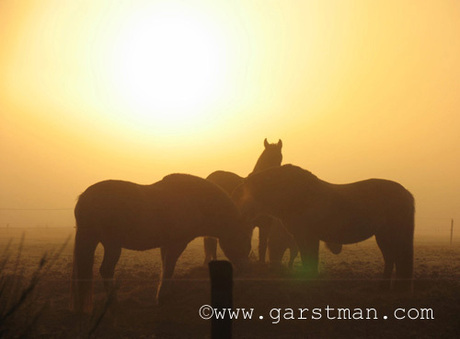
x: 270, y: 157
x: 236, y: 244
x: 249, y: 208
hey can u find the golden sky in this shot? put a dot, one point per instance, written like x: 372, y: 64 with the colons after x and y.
x: 135, y: 90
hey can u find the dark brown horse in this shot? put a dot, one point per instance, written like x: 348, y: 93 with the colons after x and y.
x: 313, y: 210
x: 167, y: 214
x: 270, y: 157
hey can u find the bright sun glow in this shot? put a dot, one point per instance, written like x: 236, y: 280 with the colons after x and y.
x: 169, y: 66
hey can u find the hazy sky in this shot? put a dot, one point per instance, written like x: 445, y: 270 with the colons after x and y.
x: 135, y: 90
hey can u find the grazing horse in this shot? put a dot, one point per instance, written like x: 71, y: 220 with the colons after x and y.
x: 313, y: 210
x: 167, y: 214
x: 270, y: 157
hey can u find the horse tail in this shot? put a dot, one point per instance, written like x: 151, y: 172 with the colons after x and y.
x: 82, y: 274
x: 404, y: 261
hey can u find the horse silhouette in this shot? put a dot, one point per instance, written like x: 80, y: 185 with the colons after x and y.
x: 313, y: 210
x: 167, y: 214
x: 228, y: 181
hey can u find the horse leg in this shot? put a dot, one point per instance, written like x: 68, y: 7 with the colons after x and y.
x: 309, y: 252
x: 210, y: 249
x: 264, y: 231
x: 276, y: 249
x: 111, y: 256
x: 293, y: 251
x: 169, y: 256
x: 387, y: 249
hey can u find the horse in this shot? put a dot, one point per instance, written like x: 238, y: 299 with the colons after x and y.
x: 228, y: 181
x: 312, y: 210
x: 167, y: 214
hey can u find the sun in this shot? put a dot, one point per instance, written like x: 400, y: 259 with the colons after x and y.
x: 168, y: 65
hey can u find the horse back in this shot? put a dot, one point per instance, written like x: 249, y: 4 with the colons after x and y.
x: 228, y: 181
x: 372, y: 206
x: 349, y: 213
x: 377, y: 192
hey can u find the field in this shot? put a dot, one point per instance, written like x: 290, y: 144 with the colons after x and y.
x: 349, y: 280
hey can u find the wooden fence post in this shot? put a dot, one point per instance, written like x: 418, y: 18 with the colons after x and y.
x: 221, y: 273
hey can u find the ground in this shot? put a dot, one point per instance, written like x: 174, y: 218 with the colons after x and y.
x: 349, y: 280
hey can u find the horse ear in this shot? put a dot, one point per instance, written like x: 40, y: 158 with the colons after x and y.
x: 265, y: 143
x: 280, y: 143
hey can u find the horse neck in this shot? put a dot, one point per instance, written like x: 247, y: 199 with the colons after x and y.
x: 263, y: 164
